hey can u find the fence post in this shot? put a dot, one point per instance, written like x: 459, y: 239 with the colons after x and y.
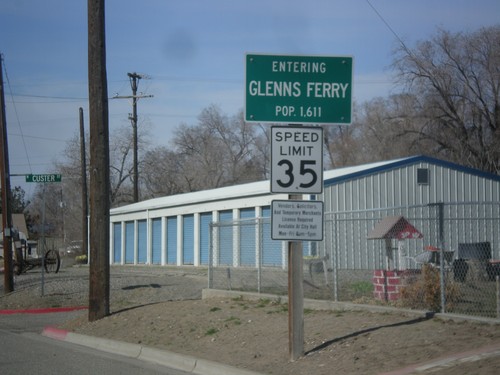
x: 441, y: 255
x: 260, y: 253
x: 498, y: 296
x: 210, y: 255
x: 335, y: 260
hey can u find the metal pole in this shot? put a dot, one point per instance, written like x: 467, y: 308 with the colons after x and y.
x: 85, y: 209
x: 441, y: 256
x: 295, y: 297
x: 335, y: 261
x: 498, y: 296
x: 44, y: 247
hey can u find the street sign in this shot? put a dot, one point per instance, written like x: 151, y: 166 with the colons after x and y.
x: 296, y: 160
x: 298, y: 89
x: 297, y: 220
x: 43, y: 178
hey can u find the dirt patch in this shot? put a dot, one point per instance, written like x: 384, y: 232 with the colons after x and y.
x: 254, y: 335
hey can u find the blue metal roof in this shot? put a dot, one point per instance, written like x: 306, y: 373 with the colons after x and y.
x: 349, y: 173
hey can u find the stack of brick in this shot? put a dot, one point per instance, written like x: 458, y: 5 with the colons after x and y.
x: 387, y: 284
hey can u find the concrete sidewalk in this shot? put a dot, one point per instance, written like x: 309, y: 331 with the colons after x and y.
x: 173, y: 360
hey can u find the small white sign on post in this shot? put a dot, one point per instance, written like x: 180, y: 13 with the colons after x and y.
x: 297, y: 220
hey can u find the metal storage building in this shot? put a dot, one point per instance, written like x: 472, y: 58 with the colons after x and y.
x: 450, y: 204
x: 174, y: 230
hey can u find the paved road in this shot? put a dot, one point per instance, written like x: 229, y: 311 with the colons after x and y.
x: 24, y: 350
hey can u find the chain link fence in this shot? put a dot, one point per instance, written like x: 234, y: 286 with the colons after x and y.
x: 437, y: 257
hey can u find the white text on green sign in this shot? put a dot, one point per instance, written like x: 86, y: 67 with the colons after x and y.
x: 43, y: 178
x: 298, y: 89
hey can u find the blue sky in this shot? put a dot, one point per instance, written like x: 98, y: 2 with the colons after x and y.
x: 193, y: 51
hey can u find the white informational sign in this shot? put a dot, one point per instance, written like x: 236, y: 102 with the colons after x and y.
x: 297, y: 220
x: 296, y: 160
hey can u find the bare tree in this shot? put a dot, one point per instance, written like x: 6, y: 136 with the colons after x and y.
x: 218, y: 151
x: 341, y: 146
x: 162, y: 173
x: 455, y: 79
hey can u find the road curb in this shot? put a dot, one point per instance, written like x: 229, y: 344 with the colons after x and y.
x: 47, y: 310
x: 449, y: 360
x: 165, y: 358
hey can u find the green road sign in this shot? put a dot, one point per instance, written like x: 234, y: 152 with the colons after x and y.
x: 298, y: 89
x: 43, y: 178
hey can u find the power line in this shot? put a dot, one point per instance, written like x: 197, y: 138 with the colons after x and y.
x: 17, y: 118
x: 388, y: 26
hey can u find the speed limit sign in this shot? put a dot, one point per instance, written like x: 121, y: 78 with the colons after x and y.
x: 296, y: 160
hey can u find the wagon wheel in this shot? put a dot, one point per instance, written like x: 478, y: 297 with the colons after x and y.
x: 18, y: 268
x: 52, y: 261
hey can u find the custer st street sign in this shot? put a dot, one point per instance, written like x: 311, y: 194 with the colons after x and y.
x: 43, y: 178
x: 298, y: 89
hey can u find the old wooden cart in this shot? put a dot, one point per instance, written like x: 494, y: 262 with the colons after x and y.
x: 23, y: 261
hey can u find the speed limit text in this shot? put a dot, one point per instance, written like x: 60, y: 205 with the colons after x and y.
x: 300, y: 140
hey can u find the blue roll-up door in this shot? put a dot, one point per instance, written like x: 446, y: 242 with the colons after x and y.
x: 205, y: 220
x: 188, y: 239
x: 129, y: 242
x: 172, y: 240
x: 247, y: 237
x: 271, y: 249
x: 142, y: 242
x: 117, y: 242
x: 156, y: 241
x: 226, y: 238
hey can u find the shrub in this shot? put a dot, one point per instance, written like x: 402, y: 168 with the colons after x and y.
x: 81, y: 259
x: 424, y: 291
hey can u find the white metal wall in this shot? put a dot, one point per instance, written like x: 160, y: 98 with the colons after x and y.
x: 399, y: 187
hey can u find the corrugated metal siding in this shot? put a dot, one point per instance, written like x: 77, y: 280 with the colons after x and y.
x: 129, y: 242
x: 226, y: 239
x: 205, y: 220
x: 247, y: 238
x: 271, y: 250
x: 156, y: 241
x: 188, y: 239
x: 117, y: 242
x: 172, y: 240
x: 142, y: 242
x: 399, y: 187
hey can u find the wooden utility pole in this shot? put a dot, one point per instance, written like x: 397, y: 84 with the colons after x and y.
x: 99, y: 163
x: 134, y: 80
x: 85, y: 208
x: 5, y: 186
x: 134, y: 84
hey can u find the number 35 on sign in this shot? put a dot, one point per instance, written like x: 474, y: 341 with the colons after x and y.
x: 297, y: 159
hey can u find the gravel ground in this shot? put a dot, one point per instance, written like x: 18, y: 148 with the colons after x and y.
x: 129, y: 286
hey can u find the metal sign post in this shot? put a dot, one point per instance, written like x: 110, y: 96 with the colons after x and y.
x: 297, y: 90
x: 43, y: 178
x: 296, y: 169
